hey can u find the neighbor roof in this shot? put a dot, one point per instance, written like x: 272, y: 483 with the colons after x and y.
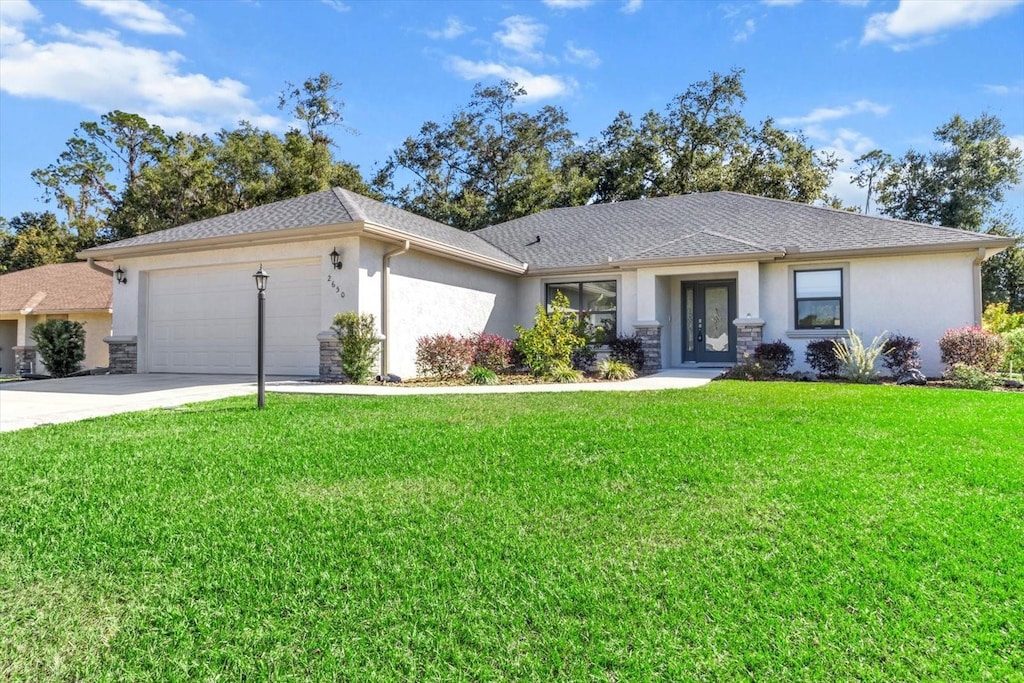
x: 709, y: 224
x: 56, y: 288
x: 329, y: 207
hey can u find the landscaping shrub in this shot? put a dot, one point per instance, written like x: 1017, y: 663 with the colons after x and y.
x: 61, y: 345
x: 998, y: 319
x: 615, y: 369
x: 481, y: 375
x: 443, y: 355
x: 821, y: 356
x: 492, y: 351
x: 564, y: 374
x: 583, y: 358
x: 750, y: 370
x: 360, y: 345
x: 1013, y: 360
x: 899, y: 354
x: 971, y: 346
x: 963, y: 376
x: 856, y: 360
x: 628, y: 350
x: 777, y: 354
x: 552, y: 339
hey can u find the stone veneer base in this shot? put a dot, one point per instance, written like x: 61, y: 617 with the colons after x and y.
x: 749, y: 333
x: 124, y: 355
x: 650, y: 334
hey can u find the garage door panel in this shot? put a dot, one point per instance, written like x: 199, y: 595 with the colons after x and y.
x: 204, y: 320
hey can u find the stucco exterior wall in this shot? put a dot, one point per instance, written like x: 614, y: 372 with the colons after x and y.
x: 920, y: 296
x: 97, y: 327
x: 431, y: 295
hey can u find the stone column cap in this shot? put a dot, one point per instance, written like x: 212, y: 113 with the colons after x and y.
x: 748, y: 322
x: 647, y: 323
x: 121, y: 339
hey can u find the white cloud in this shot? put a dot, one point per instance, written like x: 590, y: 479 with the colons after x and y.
x: 337, y: 5
x: 521, y: 35
x: 1004, y: 89
x: 14, y: 14
x: 631, y: 6
x: 846, y: 145
x: 831, y: 113
x: 568, y: 4
x: 537, y: 86
x: 916, y: 22
x: 581, y: 55
x: 99, y: 72
x: 748, y: 30
x: 781, y: 3
x: 134, y: 15
x: 1017, y: 141
x: 453, y: 28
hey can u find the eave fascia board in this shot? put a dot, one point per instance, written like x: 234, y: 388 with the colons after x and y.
x: 223, y: 242
x: 992, y: 247
x: 428, y: 245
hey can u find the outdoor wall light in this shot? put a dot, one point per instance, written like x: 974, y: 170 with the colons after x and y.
x: 119, y: 274
x: 336, y: 259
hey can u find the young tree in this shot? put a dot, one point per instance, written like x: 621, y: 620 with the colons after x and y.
x: 34, y: 239
x: 870, y: 166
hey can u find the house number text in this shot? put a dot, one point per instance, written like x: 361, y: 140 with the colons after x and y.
x: 331, y: 281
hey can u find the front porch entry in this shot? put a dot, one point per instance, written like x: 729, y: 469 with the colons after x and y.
x: 708, y: 312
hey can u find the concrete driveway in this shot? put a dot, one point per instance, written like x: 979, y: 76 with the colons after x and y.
x: 36, y: 402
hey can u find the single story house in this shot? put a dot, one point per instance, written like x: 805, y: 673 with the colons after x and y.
x: 63, y: 291
x: 702, y: 278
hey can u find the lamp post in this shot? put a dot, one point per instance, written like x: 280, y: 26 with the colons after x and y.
x: 261, y: 277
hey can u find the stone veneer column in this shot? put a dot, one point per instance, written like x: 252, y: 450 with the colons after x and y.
x: 650, y: 333
x: 124, y: 355
x: 330, y: 361
x: 24, y: 354
x: 749, y: 333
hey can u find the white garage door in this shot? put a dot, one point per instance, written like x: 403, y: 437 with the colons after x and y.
x: 204, y: 320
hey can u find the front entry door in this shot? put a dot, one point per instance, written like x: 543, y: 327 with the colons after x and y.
x: 708, y: 311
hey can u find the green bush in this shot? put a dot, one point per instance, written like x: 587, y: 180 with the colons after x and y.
x: 564, y: 374
x: 1013, y: 360
x: 481, y: 375
x: 997, y: 319
x: 360, y: 345
x: 615, y: 369
x: 963, y: 376
x: 61, y: 345
x: 552, y: 339
x: 857, y: 361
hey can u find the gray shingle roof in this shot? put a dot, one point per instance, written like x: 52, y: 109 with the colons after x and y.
x: 329, y: 207
x: 714, y: 223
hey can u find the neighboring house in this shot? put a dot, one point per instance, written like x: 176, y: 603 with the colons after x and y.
x: 64, y: 291
x: 702, y: 278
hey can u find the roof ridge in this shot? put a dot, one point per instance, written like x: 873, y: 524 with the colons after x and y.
x: 354, y: 210
x: 693, y: 234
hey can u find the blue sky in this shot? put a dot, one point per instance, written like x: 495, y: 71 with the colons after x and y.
x: 851, y: 74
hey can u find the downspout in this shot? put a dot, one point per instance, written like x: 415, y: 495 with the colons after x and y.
x: 977, y: 285
x: 96, y: 266
x: 385, y: 320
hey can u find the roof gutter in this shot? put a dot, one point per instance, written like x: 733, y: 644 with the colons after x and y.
x: 441, y: 249
x: 385, y: 318
x: 95, y: 266
x: 990, y: 246
x: 978, y: 306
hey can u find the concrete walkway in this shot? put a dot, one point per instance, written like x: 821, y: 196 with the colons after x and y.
x: 31, y: 403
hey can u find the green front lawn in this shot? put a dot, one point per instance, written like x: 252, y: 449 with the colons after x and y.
x: 739, y: 531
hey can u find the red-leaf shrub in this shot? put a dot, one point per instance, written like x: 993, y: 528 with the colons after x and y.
x: 777, y: 354
x: 899, y: 354
x: 821, y: 356
x: 492, y: 351
x: 443, y: 355
x: 972, y: 346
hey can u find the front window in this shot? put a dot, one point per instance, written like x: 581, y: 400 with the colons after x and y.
x: 819, y: 299
x: 594, y: 302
